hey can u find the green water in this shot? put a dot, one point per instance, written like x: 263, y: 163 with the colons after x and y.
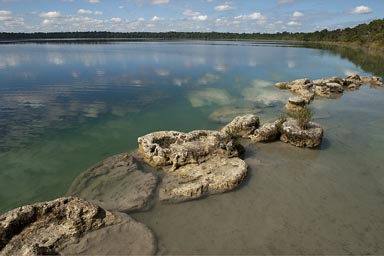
x: 64, y: 107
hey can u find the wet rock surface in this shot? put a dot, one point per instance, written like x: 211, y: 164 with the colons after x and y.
x: 242, y: 126
x: 295, y: 104
x: 268, y: 132
x: 115, y: 183
x: 216, y: 175
x: 177, y: 148
x: 50, y: 227
x: 293, y: 134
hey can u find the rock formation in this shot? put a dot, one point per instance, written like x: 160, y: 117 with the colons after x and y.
x: 116, y: 184
x: 295, y: 104
x: 293, y: 134
x: 65, y: 224
x: 177, y: 148
x: 268, y: 132
x: 242, y: 126
x: 301, y: 87
x: 216, y: 175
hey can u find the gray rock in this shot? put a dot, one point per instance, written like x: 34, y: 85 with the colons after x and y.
x: 303, y: 83
x: 216, y: 175
x: 178, y: 148
x: 268, y: 132
x: 242, y: 126
x: 295, y: 104
x: 293, y: 134
x: 116, y: 184
x: 353, y: 87
x: 329, y: 90
x: 50, y: 227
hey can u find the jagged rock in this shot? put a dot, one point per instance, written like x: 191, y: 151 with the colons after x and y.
x: 329, y: 90
x: 178, y: 148
x: 293, y: 134
x: 116, y: 184
x: 303, y: 83
x: 52, y: 227
x: 242, y: 126
x: 267, y: 132
x: 295, y: 104
x: 325, y: 81
x: 374, y: 81
x: 216, y: 175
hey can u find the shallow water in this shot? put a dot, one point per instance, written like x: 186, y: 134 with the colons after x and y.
x: 64, y: 107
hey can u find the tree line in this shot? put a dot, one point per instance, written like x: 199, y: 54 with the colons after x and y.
x: 370, y: 35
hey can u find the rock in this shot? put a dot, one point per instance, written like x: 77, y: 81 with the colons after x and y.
x: 293, y: 134
x: 324, y: 81
x: 374, y: 81
x: 242, y: 126
x: 178, y: 148
x: 51, y: 227
x: 329, y: 90
x: 282, y: 85
x: 353, y: 87
x: 227, y: 114
x: 216, y: 175
x: 295, y: 104
x: 303, y: 83
x: 116, y: 184
x: 352, y: 79
x: 268, y: 132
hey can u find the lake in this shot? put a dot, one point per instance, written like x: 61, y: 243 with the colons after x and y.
x: 64, y: 107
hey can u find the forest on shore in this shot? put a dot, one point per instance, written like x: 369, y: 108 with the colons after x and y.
x: 369, y: 35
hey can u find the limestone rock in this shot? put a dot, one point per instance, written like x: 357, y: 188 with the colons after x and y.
x: 216, y: 175
x: 303, y: 83
x: 353, y: 87
x: 267, y: 132
x: 293, y: 134
x: 295, y: 104
x: 329, y: 90
x: 116, y: 184
x: 50, y: 227
x: 178, y: 148
x: 242, y: 126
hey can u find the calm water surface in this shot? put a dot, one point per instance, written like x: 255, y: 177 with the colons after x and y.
x: 64, y: 107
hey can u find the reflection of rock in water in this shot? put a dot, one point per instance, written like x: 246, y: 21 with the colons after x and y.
x: 115, y: 183
x: 209, y: 96
x: 228, y: 113
x: 72, y: 226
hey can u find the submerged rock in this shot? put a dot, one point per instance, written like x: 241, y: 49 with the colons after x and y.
x: 329, y: 90
x: 242, y: 126
x: 301, y: 87
x: 268, y: 132
x: 216, y: 175
x: 177, y: 148
x: 226, y: 114
x: 293, y: 134
x: 55, y: 226
x: 115, y: 183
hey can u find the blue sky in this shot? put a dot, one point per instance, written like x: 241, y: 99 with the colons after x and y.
x: 186, y: 15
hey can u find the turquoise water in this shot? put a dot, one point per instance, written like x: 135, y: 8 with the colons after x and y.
x: 64, y: 107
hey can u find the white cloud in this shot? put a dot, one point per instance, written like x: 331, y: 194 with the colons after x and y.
x: 5, y: 13
x: 200, y: 17
x: 190, y: 13
x: 159, y: 1
x: 294, y: 23
x: 93, y: 1
x: 156, y: 18
x: 252, y: 16
x: 50, y: 15
x: 116, y: 20
x: 224, y: 7
x: 83, y: 11
x: 360, y: 10
x: 297, y: 14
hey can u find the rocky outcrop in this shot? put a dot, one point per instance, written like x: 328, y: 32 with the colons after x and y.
x: 301, y: 87
x: 293, y: 134
x: 52, y: 227
x: 242, y: 126
x: 331, y: 88
x: 268, y: 132
x: 295, y: 104
x: 115, y: 183
x: 178, y: 148
x: 216, y: 175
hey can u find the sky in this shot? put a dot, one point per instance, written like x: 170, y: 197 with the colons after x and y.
x: 243, y: 16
